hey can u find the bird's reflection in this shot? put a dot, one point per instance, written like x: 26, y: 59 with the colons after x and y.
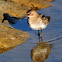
x: 40, y: 52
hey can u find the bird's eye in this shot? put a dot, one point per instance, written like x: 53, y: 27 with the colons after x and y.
x: 29, y: 13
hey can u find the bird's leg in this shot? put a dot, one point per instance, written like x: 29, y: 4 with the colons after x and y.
x: 41, y: 39
x: 39, y: 35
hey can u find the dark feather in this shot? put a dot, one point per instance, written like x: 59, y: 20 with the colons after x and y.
x: 48, y: 18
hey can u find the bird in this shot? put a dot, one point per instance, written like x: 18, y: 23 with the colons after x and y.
x: 37, y: 21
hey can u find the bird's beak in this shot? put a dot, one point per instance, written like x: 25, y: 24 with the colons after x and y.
x: 24, y: 17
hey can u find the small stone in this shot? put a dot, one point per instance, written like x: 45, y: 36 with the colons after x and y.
x: 12, y: 38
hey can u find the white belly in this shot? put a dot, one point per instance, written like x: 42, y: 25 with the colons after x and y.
x: 37, y: 25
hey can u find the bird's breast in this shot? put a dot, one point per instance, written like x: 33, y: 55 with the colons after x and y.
x: 36, y: 24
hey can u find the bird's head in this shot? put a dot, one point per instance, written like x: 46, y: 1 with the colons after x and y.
x: 32, y: 13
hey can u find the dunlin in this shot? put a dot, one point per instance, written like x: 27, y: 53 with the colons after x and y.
x: 37, y: 21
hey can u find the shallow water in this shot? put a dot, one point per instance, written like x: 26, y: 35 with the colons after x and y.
x: 53, y: 33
